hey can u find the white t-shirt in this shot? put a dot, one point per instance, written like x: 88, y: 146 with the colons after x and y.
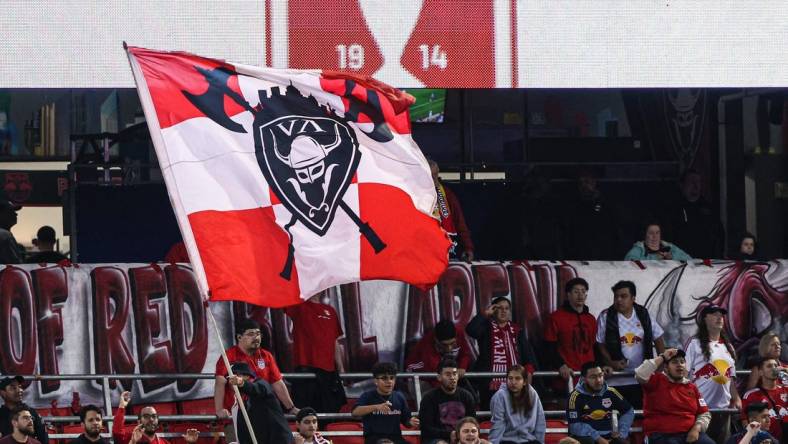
x: 631, y: 334
x: 713, y: 377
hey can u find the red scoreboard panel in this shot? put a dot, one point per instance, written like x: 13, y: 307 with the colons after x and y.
x: 407, y: 43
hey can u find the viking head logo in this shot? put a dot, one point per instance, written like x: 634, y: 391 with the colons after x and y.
x: 685, y: 110
x: 308, y: 155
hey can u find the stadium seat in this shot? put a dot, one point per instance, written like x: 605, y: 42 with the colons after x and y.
x: 197, y: 407
x: 181, y: 427
x: 345, y: 426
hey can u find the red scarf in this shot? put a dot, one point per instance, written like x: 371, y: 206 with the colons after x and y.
x: 503, y: 350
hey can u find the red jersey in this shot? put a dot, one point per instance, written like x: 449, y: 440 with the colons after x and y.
x: 262, y: 363
x: 776, y: 399
x: 424, y: 358
x: 670, y: 407
x: 122, y: 434
x: 575, y: 334
x: 315, y: 332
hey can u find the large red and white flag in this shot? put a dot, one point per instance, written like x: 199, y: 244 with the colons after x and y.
x: 288, y: 182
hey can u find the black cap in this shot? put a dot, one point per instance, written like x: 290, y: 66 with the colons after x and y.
x: 712, y: 308
x: 242, y: 368
x: 304, y: 412
x: 5, y: 382
x: 679, y: 354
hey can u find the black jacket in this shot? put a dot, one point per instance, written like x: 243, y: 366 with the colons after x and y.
x: 265, y: 414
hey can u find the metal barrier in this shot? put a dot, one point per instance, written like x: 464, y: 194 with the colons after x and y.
x: 416, y: 377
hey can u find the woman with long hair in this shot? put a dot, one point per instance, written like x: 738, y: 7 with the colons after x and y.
x: 517, y: 414
x: 467, y: 431
x: 711, y: 363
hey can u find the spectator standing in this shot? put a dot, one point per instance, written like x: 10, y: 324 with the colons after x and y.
x: 571, y: 330
x: 147, y: 426
x: 654, y: 248
x: 10, y: 251
x: 265, y: 414
x: 261, y: 361
x: 590, y: 224
x: 692, y: 222
x: 625, y: 340
x: 756, y: 431
x: 467, y: 431
x: 769, y: 346
x: 383, y: 410
x: 502, y: 344
x: 22, y: 428
x: 774, y: 394
x: 307, y: 433
x: 591, y: 408
x: 450, y: 214
x: 441, y: 408
x: 442, y: 342
x: 316, y: 349
x: 711, y: 362
x: 674, y: 411
x: 45, y: 241
x: 11, y: 391
x: 517, y: 414
x: 92, y: 423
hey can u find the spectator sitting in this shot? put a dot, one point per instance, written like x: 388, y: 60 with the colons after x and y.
x: 316, y: 332
x: 772, y: 393
x: 10, y: 251
x: 442, y: 407
x: 467, y: 431
x: 502, y: 344
x: 654, y: 248
x: 756, y: 431
x: 673, y: 409
x: 747, y: 248
x: 711, y: 362
x: 22, y: 430
x: 442, y: 342
x: 769, y: 346
x: 92, y: 423
x: 571, y: 330
x: 147, y: 425
x: 626, y: 339
x: 265, y: 413
x: 382, y: 410
x: 45, y: 241
x: 591, y: 407
x: 306, y: 421
x: 517, y: 414
x: 11, y: 391
x: 449, y: 212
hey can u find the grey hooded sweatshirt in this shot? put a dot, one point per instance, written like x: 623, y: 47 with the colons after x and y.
x: 516, y: 427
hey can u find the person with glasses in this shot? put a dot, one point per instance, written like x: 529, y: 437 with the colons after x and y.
x: 23, y: 430
x: 11, y: 391
x: 383, y: 410
x: 591, y: 409
x: 147, y: 425
x: 249, y: 350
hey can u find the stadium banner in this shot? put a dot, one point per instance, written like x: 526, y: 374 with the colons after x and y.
x: 149, y: 318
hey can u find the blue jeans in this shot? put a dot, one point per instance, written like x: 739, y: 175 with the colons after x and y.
x: 676, y: 438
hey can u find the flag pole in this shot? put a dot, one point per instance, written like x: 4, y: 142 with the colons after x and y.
x: 241, y: 405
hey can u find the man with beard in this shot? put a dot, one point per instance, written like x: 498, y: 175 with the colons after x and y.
x: 502, y: 344
x: 90, y: 417
x: 673, y: 409
x: 147, y: 425
x: 261, y: 361
x: 22, y: 423
x: 11, y: 391
x: 443, y: 407
x: 591, y: 407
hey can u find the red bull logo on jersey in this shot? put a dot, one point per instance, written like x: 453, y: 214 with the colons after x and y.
x: 596, y: 415
x: 718, y: 371
x: 630, y: 339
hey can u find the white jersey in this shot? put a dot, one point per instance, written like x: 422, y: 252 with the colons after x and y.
x: 713, y: 376
x: 631, y: 335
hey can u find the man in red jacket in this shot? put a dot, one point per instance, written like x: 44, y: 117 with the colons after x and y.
x: 673, y: 409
